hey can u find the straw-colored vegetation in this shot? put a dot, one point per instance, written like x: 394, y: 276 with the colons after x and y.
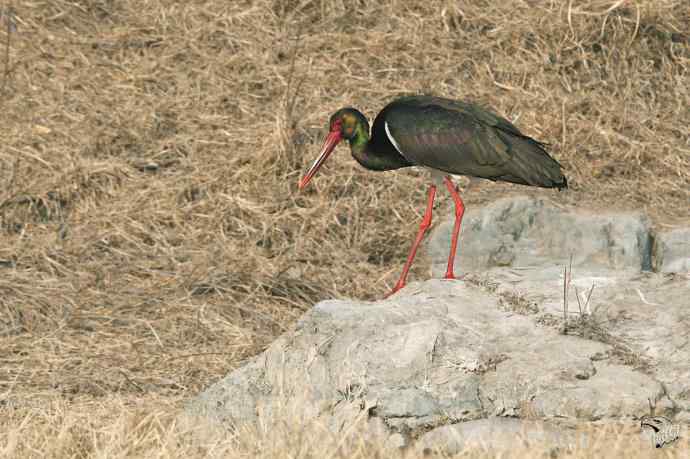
x: 151, y: 232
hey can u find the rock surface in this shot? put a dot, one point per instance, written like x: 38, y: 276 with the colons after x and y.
x: 672, y: 251
x: 528, y: 232
x: 498, y: 433
x: 443, y: 361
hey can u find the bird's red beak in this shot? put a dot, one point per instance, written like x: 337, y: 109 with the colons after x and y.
x: 332, y: 140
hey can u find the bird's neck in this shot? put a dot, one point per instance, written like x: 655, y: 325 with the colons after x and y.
x: 369, y: 155
x: 359, y: 143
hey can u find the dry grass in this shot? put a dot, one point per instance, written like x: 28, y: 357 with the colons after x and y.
x: 113, y: 427
x: 151, y: 233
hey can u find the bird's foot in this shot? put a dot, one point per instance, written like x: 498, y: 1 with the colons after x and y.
x: 452, y: 276
x: 397, y: 287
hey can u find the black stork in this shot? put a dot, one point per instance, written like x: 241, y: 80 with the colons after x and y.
x: 447, y: 137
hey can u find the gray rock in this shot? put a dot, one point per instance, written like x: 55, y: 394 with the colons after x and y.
x: 611, y: 297
x: 445, y: 352
x: 505, y: 435
x: 497, y: 433
x: 672, y: 251
x: 440, y: 358
x: 645, y: 316
x: 527, y: 232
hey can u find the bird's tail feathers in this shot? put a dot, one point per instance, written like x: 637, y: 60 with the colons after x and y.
x: 531, y: 162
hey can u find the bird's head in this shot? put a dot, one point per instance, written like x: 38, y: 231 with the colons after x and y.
x: 347, y: 123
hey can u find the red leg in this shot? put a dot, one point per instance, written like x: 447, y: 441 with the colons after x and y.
x: 423, y: 227
x: 459, y: 212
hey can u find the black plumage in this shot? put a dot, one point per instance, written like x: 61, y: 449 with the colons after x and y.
x: 464, y: 139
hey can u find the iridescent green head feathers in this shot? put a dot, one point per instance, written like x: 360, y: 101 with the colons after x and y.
x: 350, y: 122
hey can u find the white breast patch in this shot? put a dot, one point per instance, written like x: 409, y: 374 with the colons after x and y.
x: 390, y: 137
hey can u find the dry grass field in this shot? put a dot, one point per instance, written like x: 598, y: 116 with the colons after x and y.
x: 151, y: 232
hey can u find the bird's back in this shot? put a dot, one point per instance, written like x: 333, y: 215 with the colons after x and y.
x: 462, y: 138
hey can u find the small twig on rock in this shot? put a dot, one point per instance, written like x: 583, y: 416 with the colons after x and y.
x: 565, y: 300
x: 589, y: 296
x: 567, y: 273
x: 652, y: 406
x: 577, y: 297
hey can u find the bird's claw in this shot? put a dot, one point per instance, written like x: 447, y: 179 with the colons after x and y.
x: 448, y: 276
x: 395, y: 289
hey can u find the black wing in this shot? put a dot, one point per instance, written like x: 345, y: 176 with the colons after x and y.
x: 462, y: 138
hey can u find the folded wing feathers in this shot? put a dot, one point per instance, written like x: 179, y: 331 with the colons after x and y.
x: 464, y: 139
